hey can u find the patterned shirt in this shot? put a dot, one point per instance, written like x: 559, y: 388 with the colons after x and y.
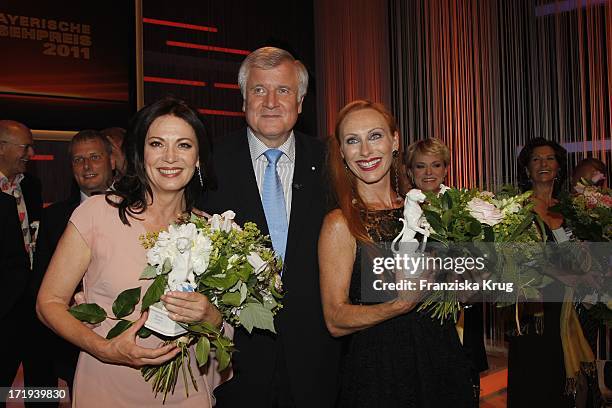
x: 14, y: 189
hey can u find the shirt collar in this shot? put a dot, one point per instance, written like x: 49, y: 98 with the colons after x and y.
x: 258, y: 148
x: 83, y: 196
x: 16, y: 181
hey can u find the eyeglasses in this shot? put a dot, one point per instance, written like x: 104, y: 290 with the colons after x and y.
x: 24, y: 146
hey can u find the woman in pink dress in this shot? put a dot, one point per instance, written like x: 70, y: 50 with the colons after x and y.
x: 167, y: 155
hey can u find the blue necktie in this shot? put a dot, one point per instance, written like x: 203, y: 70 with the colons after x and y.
x: 273, y: 200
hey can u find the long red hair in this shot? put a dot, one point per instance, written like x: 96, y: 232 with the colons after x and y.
x: 344, y: 181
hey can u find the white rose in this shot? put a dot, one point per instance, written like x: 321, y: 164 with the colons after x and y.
x: 153, y: 256
x: 163, y: 249
x: 201, y: 254
x: 511, y: 208
x: 507, y: 205
x: 224, y: 222
x: 256, y: 262
x: 443, y: 189
x: 227, y: 220
x: 233, y: 259
x: 188, y: 231
x: 215, y: 222
x: 484, y: 212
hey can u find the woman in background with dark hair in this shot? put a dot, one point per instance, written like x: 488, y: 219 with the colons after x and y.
x: 394, y: 355
x: 168, y: 154
x: 542, y: 167
x: 536, y: 371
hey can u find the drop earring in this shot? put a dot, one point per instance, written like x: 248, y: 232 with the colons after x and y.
x: 200, y: 176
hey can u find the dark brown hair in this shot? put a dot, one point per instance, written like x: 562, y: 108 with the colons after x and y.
x: 525, y: 156
x: 133, y: 189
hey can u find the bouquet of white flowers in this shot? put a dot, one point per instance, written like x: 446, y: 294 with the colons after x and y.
x: 456, y: 217
x: 233, y: 267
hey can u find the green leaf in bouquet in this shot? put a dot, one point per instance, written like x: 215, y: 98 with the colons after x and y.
x: 434, y: 220
x: 232, y: 298
x: 270, y: 303
x: 202, y: 350
x: 439, y: 238
x: 244, y: 272
x: 447, y: 201
x: 487, y: 251
x: 222, y: 355
x: 225, y: 342
x: 88, y: 312
x: 149, y: 272
x: 167, y: 267
x: 256, y: 315
x: 474, y: 227
x: 120, y: 327
x: 126, y: 302
x: 546, y: 280
x: 222, y: 281
x: 519, y: 229
x: 500, y: 305
x: 204, y: 328
x: 489, y: 235
x: 243, y: 292
x: 530, y: 293
x: 219, y: 267
x: 447, y: 217
x: 143, y: 333
x: 154, y: 292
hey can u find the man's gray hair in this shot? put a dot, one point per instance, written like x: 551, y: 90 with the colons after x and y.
x: 268, y: 58
x: 89, y: 134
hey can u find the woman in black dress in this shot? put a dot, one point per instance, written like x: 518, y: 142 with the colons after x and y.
x: 394, y: 355
x: 427, y: 163
x: 536, y: 373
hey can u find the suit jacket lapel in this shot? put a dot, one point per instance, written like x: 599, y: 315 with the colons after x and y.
x: 303, y: 178
x: 247, y: 187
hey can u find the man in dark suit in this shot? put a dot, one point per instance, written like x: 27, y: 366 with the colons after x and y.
x: 14, y: 271
x: 92, y: 167
x: 298, y: 366
x: 24, y: 205
x: 16, y: 150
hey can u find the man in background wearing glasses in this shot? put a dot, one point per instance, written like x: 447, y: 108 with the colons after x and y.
x: 16, y: 302
x: 93, y: 165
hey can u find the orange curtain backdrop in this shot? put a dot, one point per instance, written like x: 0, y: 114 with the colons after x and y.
x: 352, y: 54
x: 485, y: 76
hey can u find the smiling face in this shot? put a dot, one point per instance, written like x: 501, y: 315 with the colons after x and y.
x: 543, y: 165
x: 367, y: 144
x: 15, y: 150
x: 170, y: 154
x: 271, y: 105
x: 428, y: 171
x: 92, y: 166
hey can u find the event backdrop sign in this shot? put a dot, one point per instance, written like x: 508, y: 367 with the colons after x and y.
x: 68, y: 65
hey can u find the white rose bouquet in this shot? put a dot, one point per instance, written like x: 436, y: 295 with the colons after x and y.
x: 233, y: 267
x: 462, y: 216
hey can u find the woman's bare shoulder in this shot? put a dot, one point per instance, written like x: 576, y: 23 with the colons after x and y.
x: 336, y: 225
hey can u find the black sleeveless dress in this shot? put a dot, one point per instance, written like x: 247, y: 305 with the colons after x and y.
x: 408, y: 361
x: 536, y: 367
